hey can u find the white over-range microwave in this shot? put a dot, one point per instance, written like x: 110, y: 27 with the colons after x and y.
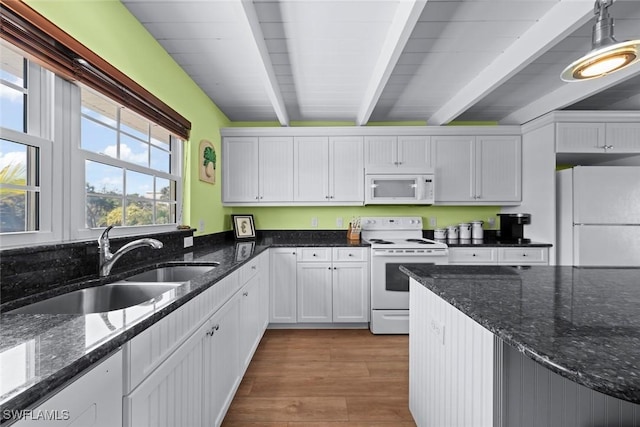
x: 399, y: 189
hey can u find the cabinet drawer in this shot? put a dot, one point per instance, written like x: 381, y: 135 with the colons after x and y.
x: 350, y: 254
x: 248, y: 270
x: 523, y: 256
x: 473, y: 256
x: 314, y: 254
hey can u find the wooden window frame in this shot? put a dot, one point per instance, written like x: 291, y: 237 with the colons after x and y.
x: 53, y: 48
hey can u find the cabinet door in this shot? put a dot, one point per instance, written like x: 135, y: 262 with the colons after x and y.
x: 251, y: 324
x: 221, y: 364
x: 172, y: 394
x: 523, y: 256
x: 350, y: 291
x: 414, y: 153
x: 380, y: 154
x: 623, y: 137
x: 580, y: 137
x: 311, y: 182
x: 314, y: 292
x: 346, y: 169
x: 499, y: 169
x: 265, y: 270
x: 276, y: 169
x: 454, y: 159
x: 481, y: 256
x: 282, y: 285
x: 83, y: 403
x: 240, y: 169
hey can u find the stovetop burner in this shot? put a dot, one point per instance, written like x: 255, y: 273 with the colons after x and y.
x: 380, y: 242
x: 421, y: 241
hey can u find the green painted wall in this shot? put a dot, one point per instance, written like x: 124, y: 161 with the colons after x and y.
x: 300, y: 218
x: 107, y: 28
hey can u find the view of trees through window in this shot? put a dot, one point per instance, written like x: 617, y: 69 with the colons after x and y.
x: 135, y: 187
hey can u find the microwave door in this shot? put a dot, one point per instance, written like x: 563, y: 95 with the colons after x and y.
x: 394, y: 188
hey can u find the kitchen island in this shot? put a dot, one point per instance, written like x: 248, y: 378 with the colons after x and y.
x: 524, y: 346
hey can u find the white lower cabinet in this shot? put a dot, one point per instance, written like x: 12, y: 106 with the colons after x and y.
x: 282, y: 285
x: 314, y: 291
x: 221, y: 361
x: 499, y: 256
x: 325, y: 285
x: 93, y: 400
x: 192, y: 381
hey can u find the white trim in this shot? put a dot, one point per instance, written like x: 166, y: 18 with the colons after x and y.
x: 372, y: 131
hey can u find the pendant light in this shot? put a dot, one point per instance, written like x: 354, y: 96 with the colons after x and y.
x: 607, y: 55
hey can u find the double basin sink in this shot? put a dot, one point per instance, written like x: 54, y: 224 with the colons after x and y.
x: 131, y: 291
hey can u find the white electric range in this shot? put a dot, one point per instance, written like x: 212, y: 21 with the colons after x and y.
x: 396, y: 241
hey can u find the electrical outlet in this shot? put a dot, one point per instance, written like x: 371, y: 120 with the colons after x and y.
x: 188, y: 242
x: 201, y: 225
x: 433, y: 221
x: 314, y: 221
x: 491, y: 221
x: 339, y: 222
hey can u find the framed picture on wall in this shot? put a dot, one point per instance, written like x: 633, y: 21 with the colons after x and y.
x: 243, y: 227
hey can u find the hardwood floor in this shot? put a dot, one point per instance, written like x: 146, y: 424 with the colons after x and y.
x: 332, y: 378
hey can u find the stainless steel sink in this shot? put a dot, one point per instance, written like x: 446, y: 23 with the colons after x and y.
x: 172, y: 273
x: 113, y: 296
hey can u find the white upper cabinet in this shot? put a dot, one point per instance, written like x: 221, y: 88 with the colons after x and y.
x: 478, y: 170
x: 257, y: 170
x: 328, y: 170
x: 384, y: 154
x: 275, y: 169
x: 610, y: 138
x: 240, y: 169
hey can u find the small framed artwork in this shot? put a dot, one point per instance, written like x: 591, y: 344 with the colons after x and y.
x: 243, y: 227
x: 208, y: 158
x: 244, y: 250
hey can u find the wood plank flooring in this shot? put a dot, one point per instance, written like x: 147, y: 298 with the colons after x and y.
x: 332, y: 378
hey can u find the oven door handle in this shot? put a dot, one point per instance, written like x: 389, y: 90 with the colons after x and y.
x: 432, y: 253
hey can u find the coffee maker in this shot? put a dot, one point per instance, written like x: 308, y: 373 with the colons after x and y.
x: 511, y: 227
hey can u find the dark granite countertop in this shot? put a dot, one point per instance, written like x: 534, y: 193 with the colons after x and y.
x: 64, y: 346
x: 461, y: 243
x: 583, y: 323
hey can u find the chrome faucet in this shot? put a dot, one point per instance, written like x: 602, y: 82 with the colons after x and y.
x: 107, y: 259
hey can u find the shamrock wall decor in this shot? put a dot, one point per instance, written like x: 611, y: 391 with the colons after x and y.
x: 207, y: 162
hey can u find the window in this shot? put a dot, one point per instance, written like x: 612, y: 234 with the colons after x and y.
x: 68, y: 171
x: 131, y: 166
x: 26, y: 185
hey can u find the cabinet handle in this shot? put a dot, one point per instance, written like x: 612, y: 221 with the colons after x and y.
x: 253, y: 267
x: 350, y: 255
x: 314, y: 254
x: 261, y: 197
x: 245, y: 294
x: 293, y: 253
x: 326, y: 197
x: 473, y: 254
x: 335, y: 268
x: 328, y: 268
x: 257, y: 198
x: 524, y: 254
x: 213, y: 330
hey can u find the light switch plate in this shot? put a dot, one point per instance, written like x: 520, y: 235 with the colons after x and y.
x: 314, y: 221
x: 433, y: 221
x: 491, y: 221
x: 339, y: 222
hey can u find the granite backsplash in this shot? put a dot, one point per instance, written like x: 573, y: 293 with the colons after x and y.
x: 31, y: 270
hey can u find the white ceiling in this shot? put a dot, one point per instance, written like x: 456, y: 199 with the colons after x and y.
x: 391, y: 60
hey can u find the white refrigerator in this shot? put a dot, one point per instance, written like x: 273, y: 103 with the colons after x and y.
x: 598, y: 216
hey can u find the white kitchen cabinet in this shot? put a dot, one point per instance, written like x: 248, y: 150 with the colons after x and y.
x: 599, y: 138
x: 82, y: 403
x: 478, y: 170
x: 314, y: 292
x: 221, y: 362
x: 467, y: 255
x: 265, y: 274
x: 523, y: 256
x: 257, y: 170
x: 251, y: 324
x: 328, y: 170
x: 384, y: 154
x: 282, y: 285
x: 350, y: 281
x: 499, y: 256
x: 171, y: 395
x: 240, y: 169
